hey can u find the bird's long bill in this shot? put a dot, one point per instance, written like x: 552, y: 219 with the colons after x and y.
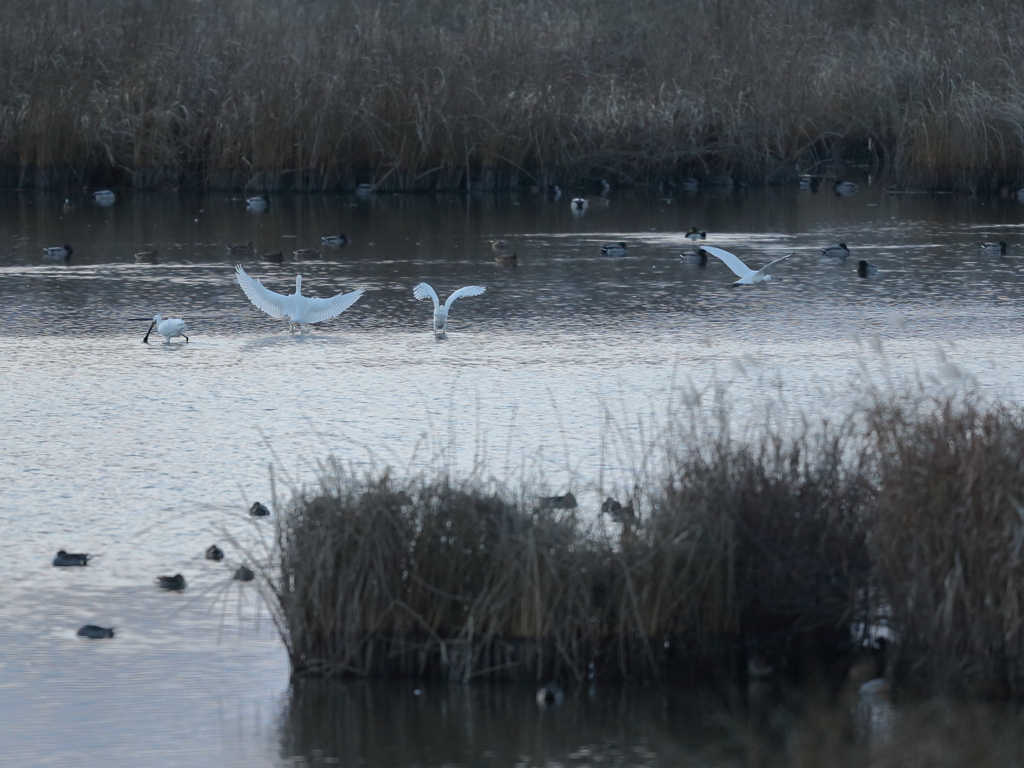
x: 145, y: 339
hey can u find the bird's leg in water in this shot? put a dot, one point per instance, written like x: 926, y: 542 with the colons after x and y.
x: 186, y: 338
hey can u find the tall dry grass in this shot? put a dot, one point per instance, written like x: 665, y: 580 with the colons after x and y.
x: 947, y: 542
x: 745, y: 549
x: 906, y: 519
x: 307, y: 94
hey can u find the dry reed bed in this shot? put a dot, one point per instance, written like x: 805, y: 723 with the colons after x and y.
x: 316, y: 95
x: 908, y: 515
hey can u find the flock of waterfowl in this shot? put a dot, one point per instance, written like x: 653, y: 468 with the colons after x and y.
x: 175, y: 583
x: 302, y: 310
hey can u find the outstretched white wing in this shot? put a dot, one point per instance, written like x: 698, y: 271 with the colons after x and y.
x: 423, y: 290
x: 469, y: 290
x: 319, y: 310
x: 732, y: 261
x: 274, y: 304
x: 764, y: 270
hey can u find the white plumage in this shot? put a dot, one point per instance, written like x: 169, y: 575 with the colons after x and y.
x: 168, y: 328
x: 746, y: 275
x: 300, y: 310
x: 423, y: 290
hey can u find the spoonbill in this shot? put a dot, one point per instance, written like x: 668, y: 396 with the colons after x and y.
x: 844, y: 187
x: 335, y: 241
x: 614, y: 249
x: 837, y: 251
x: 864, y: 269
x: 990, y: 249
x: 423, y: 290
x: 59, y: 252
x: 696, y: 234
x: 746, y: 275
x: 300, y: 310
x: 168, y: 328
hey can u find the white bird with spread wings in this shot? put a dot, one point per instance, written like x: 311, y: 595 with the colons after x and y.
x: 300, y: 310
x: 746, y: 275
x: 423, y: 290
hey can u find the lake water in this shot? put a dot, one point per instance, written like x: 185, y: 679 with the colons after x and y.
x: 557, y: 376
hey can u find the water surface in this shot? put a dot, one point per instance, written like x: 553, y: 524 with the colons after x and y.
x: 559, y: 374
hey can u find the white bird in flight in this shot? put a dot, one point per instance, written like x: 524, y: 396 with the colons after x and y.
x: 169, y: 328
x: 423, y: 290
x: 746, y: 275
x: 300, y: 310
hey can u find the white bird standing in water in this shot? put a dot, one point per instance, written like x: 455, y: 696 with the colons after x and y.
x: 746, y: 275
x: 423, y: 290
x: 169, y: 328
x: 300, y: 310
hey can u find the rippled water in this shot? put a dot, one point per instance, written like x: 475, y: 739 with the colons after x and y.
x: 146, y: 454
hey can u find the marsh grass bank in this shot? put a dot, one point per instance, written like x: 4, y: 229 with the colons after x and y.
x: 435, y: 95
x: 791, y: 552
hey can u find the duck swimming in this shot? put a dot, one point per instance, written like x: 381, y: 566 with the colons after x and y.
x: 335, y: 241
x: 614, y: 249
x: 59, y: 252
x: 213, y: 552
x: 550, y: 695
x: 864, y: 269
x: 995, y: 249
x: 95, y: 633
x: 258, y: 510
x: 836, y: 251
x: 147, y: 257
x: 696, y: 234
x: 844, y: 187
x: 65, y: 559
x: 511, y: 260
x: 568, y: 501
x: 578, y: 204
x: 175, y: 582
x: 242, y: 249
x: 700, y: 257
x: 244, y: 573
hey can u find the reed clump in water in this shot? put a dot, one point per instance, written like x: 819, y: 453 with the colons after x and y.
x: 759, y: 544
x: 434, y: 95
x: 432, y: 578
x: 947, y: 542
x: 746, y: 548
